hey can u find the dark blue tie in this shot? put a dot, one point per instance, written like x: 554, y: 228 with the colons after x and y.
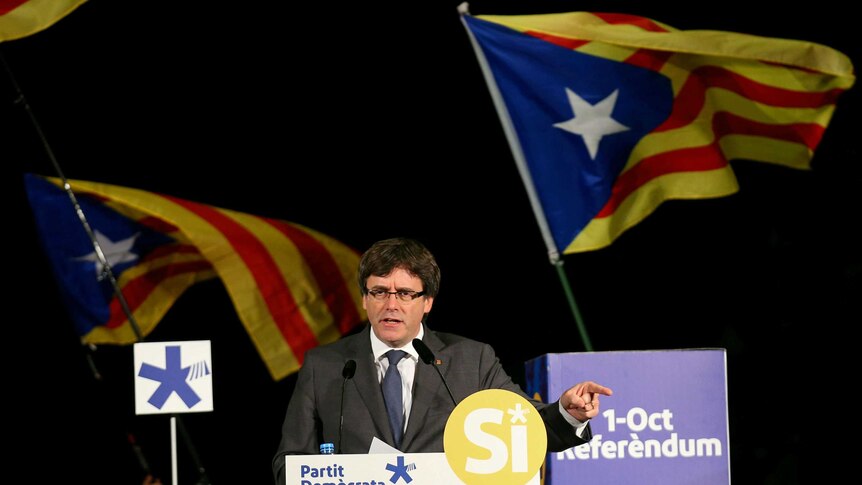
x: 392, y: 395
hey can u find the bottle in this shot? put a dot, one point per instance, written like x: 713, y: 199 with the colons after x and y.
x: 327, y: 449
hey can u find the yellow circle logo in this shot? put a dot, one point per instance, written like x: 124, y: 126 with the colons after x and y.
x: 495, y: 436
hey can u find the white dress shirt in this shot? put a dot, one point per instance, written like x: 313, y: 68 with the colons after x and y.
x: 406, y: 367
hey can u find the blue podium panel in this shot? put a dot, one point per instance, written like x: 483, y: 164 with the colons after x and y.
x: 666, y: 422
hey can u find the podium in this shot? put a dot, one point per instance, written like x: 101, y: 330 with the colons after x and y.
x: 382, y: 469
x: 666, y: 423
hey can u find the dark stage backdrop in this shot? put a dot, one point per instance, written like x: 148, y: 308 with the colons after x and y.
x: 371, y: 120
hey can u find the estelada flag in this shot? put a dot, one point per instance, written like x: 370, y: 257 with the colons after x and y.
x: 609, y: 115
x: 20, y: 18
x: 293, y: 288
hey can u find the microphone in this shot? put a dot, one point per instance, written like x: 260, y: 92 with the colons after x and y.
x: 346, y: 373
x: 425, y: 355
x: 349, y: 369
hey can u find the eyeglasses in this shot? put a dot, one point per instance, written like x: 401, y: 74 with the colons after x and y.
x: 402, y: 295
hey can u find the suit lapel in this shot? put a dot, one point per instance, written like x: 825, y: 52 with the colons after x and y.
x: 426, y: 385
x: 367, y: 384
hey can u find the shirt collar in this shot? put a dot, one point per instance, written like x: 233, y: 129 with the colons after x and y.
x: 378, y: 347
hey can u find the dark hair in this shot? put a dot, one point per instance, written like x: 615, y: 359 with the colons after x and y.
x: 408, y: 254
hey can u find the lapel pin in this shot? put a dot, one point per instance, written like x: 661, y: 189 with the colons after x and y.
x: 438, y: 362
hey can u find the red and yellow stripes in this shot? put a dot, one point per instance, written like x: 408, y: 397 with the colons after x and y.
x: 20, y: 18
x: 736, y: 96
x: 293, y: 288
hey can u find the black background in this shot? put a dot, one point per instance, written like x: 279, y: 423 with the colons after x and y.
x: 367, y: 121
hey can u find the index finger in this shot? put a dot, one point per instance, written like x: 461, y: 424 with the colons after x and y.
x: 591, y: 386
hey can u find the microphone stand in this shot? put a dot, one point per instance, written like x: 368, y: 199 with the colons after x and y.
x: 347, y: 373
x: 428, y: 357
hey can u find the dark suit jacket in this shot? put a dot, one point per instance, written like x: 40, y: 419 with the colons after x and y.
x: 469, y: 366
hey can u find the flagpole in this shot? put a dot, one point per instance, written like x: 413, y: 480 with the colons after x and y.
x: 520, y: 162
x: 107, y: 272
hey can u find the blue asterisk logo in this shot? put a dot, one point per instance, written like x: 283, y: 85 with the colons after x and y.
x: 172, y: 379
x: 400, y: 470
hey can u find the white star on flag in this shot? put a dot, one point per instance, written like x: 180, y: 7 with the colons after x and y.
x: 592, y: 122
x: 115, y: 252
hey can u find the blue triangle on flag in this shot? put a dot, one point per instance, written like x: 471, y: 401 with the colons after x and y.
x: 83, y: 286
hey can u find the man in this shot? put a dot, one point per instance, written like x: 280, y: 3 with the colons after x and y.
x: 399, y: 280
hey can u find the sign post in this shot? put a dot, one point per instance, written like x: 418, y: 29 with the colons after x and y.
x: 171, y: 378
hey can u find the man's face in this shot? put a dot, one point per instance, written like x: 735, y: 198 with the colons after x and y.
x: 394, y: 321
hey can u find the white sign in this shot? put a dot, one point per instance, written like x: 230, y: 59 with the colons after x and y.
x: 388, y: 469
x: 173, y: 377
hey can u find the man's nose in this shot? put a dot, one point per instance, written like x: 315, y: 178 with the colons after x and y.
x: 392, y: 300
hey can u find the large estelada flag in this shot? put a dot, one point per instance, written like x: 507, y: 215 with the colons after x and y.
x: 20, y: 18
x: 293, y: 288
x: 609, y: 115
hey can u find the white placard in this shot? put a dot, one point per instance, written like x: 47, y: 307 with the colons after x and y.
x: 382, y: 468
x: 173, y: 377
